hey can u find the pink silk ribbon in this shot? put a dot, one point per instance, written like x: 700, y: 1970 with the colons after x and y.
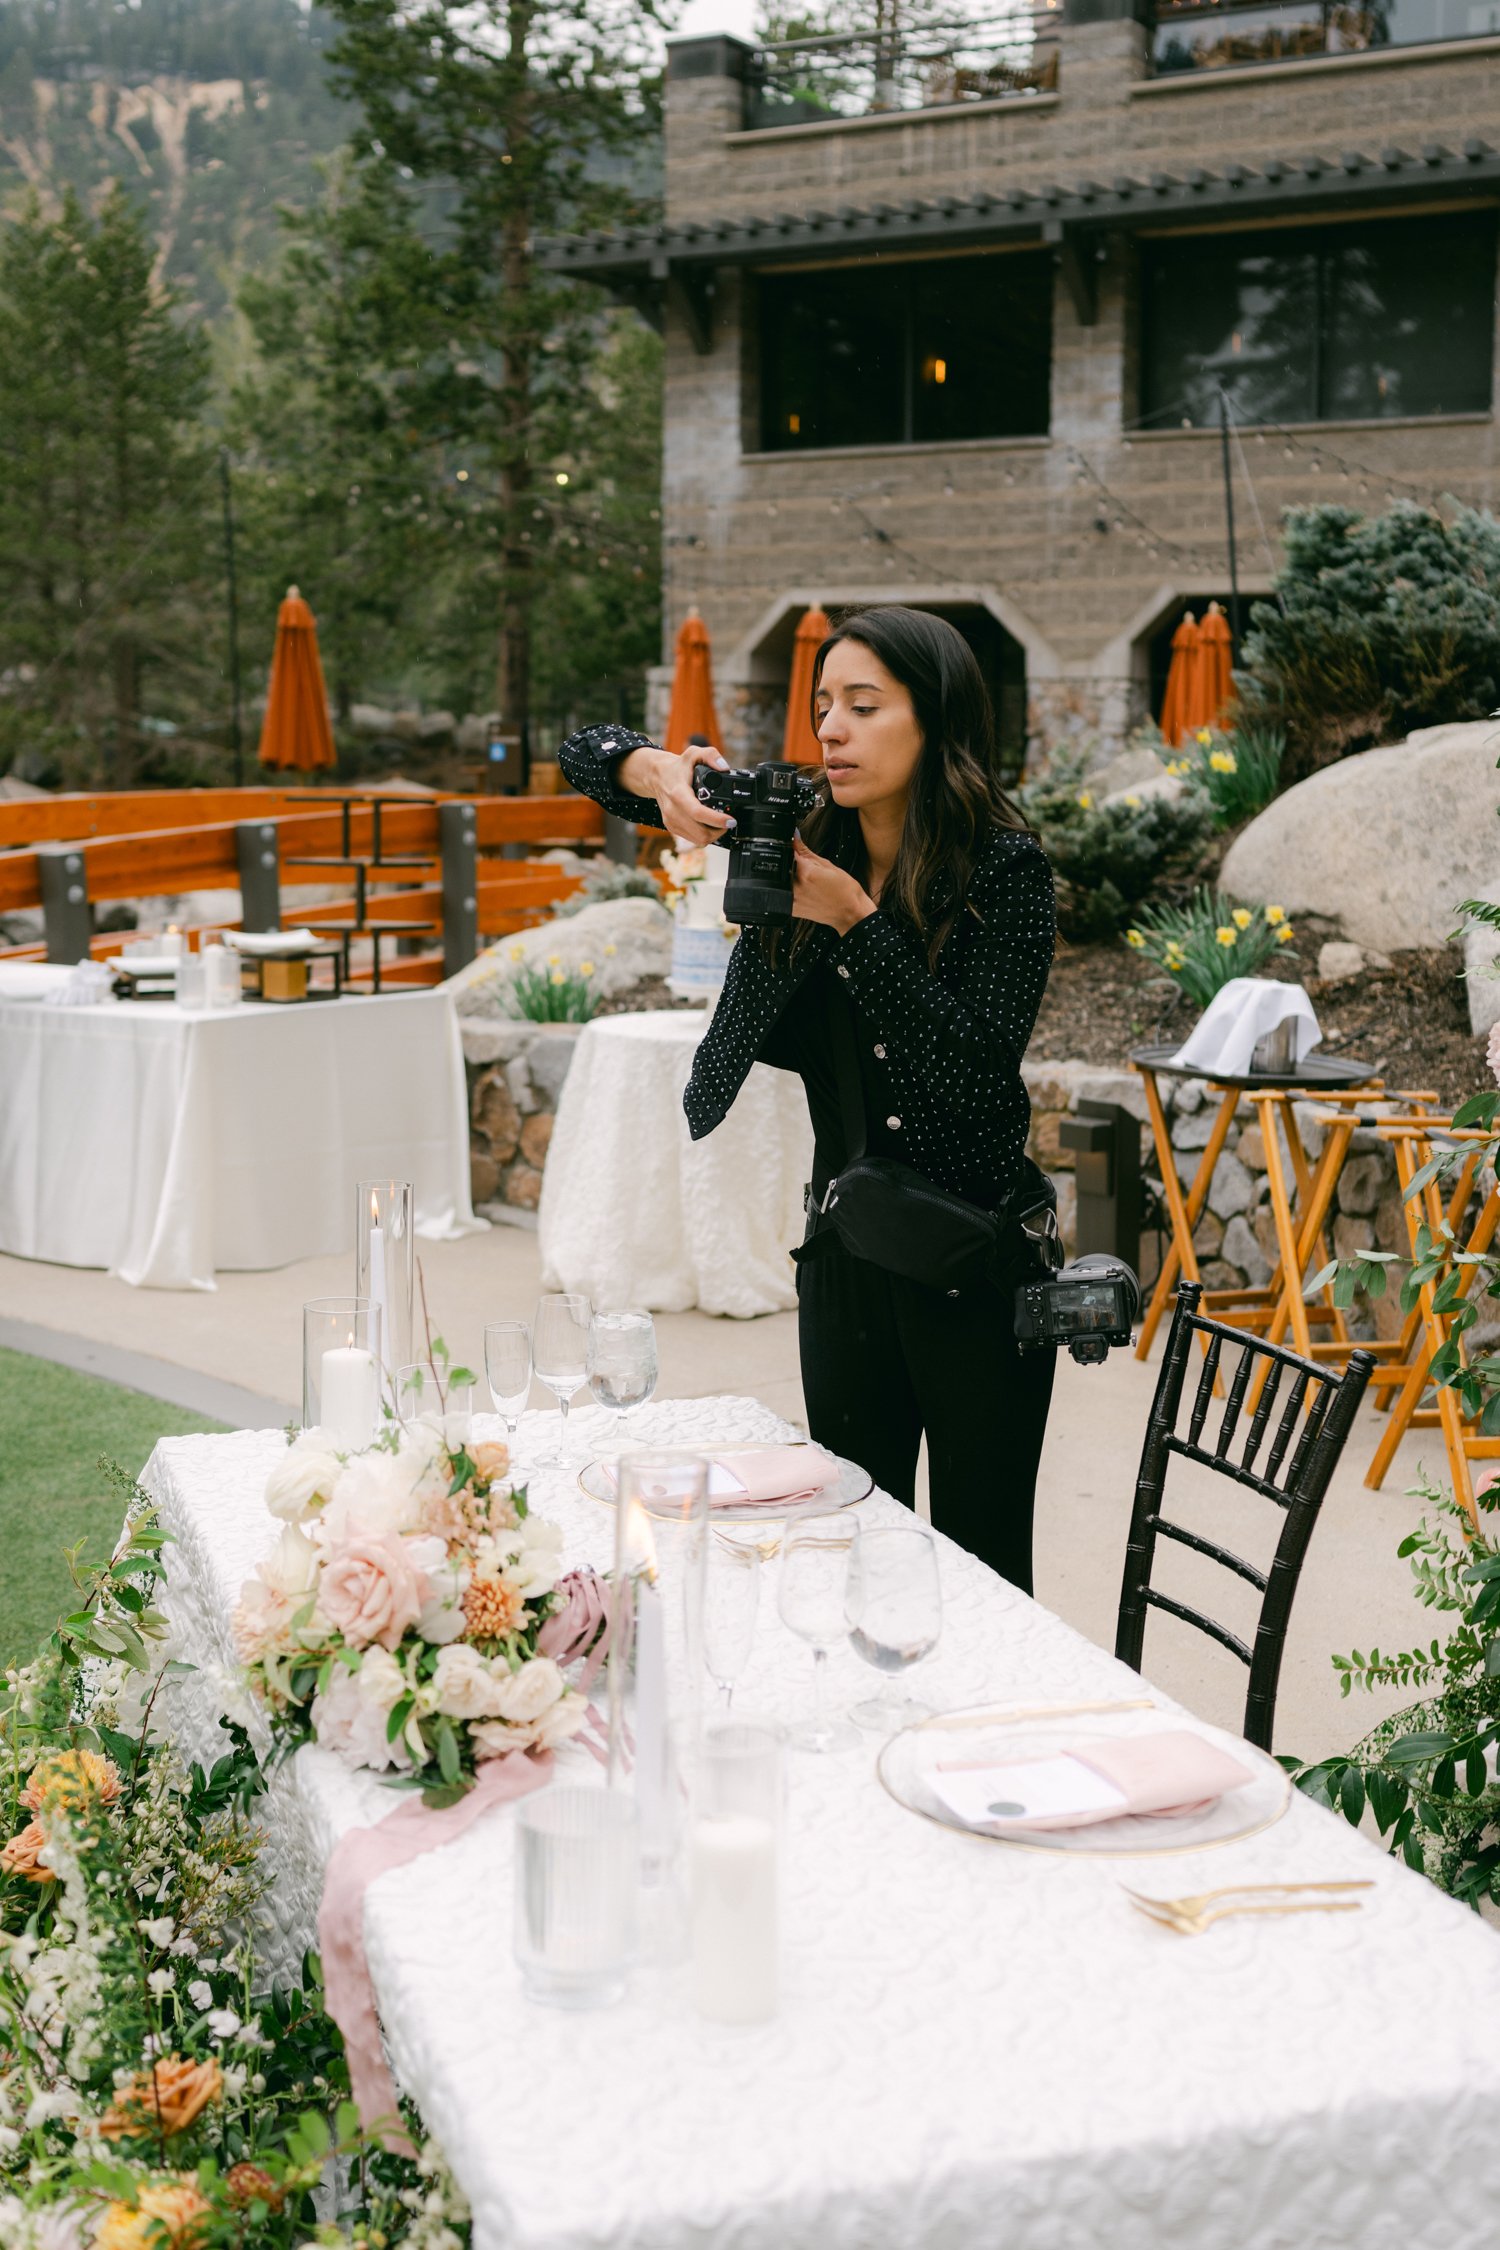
x: 358, y: 1859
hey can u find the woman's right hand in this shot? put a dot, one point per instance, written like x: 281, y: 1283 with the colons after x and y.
x: 656, y: 773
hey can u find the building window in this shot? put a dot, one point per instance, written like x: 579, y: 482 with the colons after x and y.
x: 1320, y: 324
x: 912, y: 353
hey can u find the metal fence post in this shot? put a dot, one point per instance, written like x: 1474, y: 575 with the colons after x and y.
x: 458, y: 831
x: 66, y: 912
x: 257, y: 844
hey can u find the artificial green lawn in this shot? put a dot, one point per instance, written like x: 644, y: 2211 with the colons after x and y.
x: 54, y: 1425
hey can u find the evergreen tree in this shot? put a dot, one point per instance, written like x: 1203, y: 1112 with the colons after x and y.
x: 534, y: 117
x: 102, y: 482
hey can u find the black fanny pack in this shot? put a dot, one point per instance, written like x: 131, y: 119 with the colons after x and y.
x: 884, y: 1211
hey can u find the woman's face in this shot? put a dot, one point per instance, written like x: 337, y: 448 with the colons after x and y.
x: 871, y: 741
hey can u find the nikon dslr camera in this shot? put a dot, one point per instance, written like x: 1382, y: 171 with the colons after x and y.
x: 766, y: 802
x: 1088, y: 1306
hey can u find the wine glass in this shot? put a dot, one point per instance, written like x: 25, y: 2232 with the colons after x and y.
x: 507, y: 1367
x: 560, y: 1356
x: 731, y: 1597
x: 622, y: 1364
x: 894, y: 1605
x: 810, y: 1597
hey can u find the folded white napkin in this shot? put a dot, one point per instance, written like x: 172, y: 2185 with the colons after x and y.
x: 1238, y: 1017
x: 91, y: 984
x: 272, y: 945
x: 31, y: 980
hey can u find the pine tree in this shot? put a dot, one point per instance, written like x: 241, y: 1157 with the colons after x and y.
x: 102, y: 480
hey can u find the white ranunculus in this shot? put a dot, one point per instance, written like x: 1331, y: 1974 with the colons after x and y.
x: 464, y: 1685
x: 382, y: 1683
x: 525, y: 1695
x: 538, y: 1563
x: 442, y: 1617
x: 376, y: 1490
x: 291, y: 1568
x: 302, y: 1482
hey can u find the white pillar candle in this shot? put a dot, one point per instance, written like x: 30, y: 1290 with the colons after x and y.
x: 349, y: 1397
x: 377, y: 1289
x: 651, y: 1727
x: 734, y: 1919
x: 172, y: 940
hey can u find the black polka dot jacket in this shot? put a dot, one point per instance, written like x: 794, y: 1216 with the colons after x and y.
x: 953, y: 1036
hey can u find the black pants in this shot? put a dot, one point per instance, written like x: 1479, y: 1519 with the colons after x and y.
x: 884, y: 1359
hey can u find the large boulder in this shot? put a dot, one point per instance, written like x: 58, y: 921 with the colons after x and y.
x: 1387, y: 843
x: 625, y: 939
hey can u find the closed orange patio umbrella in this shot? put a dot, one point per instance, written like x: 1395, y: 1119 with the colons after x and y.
x: 1215, y: 667
x: 800, y: 743
x: 692, y: 710
x: 296, y: 732
x: 1182, y: 681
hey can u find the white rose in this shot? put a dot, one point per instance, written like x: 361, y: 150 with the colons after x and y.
x: 382, y: 1683
x: 495, y: 1738
x: 379, y: 1491
x: 353, y: 1727
x: 302, y: 1481
x: 442, y: 1617
x: 538, y: 1561
x: 464, y: 1685
x: 523, y: 1696
x: 291, y: 1568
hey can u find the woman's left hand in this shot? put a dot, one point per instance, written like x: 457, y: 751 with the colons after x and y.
x: 822, y: 892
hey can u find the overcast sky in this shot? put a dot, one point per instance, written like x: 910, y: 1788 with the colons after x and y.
x: 701, y: 16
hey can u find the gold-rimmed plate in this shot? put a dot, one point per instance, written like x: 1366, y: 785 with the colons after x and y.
x: 909, y: 1759
x: 854, y: 1484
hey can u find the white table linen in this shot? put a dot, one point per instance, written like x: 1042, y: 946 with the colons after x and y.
x: 635, y: 1212
x: 166, y: 1145
x: 976, y: 2046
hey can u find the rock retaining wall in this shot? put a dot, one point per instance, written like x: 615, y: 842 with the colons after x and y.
x: 515, y: 1075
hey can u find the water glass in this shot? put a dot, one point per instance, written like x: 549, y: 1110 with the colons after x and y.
x: 447, y: 1408
x: 894, y: 1605
x: 191, y: 986
x: 810, y: 1596
x: 560, y: 1357
x: 731, y: 1598
x: 622, y: 1364
x: 736, y: 1832
x: 507, y: 1367
x: 577, y: 1878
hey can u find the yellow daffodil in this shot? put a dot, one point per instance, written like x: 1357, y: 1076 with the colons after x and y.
x: 1242, y: 917
x: 1285, y: 934
x: 518, y: 953
x: 1227, y: 936
x: 1085, y: 800
x: 558, y: 977
x: 553, y: 959
x: 1134, y: 803
x: 609, y: 950
x: 1174, y: 956
x: 1134, y: 937
x: 1275, y: 915
x: 585, y: 968
x: 1205, y: 735
x: 1222, y: 761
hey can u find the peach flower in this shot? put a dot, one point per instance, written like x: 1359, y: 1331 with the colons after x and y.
x: 164, y: 2100
x: 22, y: 1855
x: 375, y: 1584
x: 69, y: 1778
x: 491, y: 1459
x: 170, y: 2215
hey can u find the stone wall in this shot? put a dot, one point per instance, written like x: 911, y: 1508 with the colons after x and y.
x: 515, y: 1073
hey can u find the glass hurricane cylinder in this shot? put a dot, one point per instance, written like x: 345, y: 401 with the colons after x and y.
x: 656, y: 1649
x: 341, y: 1363
x: 733, y: 1855
x: 577, y: 1882
x: 385, y: 1266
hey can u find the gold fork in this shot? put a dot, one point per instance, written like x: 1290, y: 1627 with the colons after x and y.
x: 1197, y: 1900
x: 1168, y: 1917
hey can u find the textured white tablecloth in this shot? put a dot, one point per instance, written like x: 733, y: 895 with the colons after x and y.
x: 634, y: 1212
x: 165, y: 1145
x: 978, y: 2049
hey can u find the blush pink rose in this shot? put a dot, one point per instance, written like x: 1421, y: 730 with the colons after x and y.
x: 375, y: 1585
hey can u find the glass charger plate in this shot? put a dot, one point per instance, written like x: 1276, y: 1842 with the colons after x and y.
x: 854, y: 1484
x: 909, y: 1758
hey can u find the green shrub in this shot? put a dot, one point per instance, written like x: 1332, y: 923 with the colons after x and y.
x: 1201, y: 945
x: 607, y: 880
x: 548, y: 993
x: 1239, y: 770
x: 1382, y: 624
x: 1107, y: 858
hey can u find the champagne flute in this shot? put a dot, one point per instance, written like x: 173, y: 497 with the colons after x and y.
x: 731, y: 1597
x: 507, y: 1367
x: 622, y: 1364
x: 810, y: 1596
x: 560, y: 1354
x: 894, y: 1605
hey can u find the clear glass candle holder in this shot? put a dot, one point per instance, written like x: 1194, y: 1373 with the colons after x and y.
x: 447, y: 1408
x: 656, y: 1650
x: 576, y: 1890
x: 385, y: 1265
x: 341, y: 1370
x: 191, y: 985
x: 733, y: 1859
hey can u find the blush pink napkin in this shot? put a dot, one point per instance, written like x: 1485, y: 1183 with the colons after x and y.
x: 1158, y: 1775
x: 357, y: 1860
x: 770, y: 1473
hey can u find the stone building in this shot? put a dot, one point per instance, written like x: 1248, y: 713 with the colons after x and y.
x: 1004, y: 329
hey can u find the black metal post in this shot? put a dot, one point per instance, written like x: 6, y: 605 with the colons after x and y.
x: 1234, y: 565
x: 236, y: 740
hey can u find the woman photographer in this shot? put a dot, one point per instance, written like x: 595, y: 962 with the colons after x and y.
x: 904, y: 995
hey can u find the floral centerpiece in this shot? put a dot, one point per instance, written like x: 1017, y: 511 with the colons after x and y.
x: 414, y: 1617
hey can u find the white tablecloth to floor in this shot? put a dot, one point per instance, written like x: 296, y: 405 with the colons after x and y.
x: 634, y: 1212
x: 978, y: 2049
x: 165, y: 1145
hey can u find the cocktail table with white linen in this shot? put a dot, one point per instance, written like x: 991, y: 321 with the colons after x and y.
x: 635, y: 1212
x: 976, y: 2045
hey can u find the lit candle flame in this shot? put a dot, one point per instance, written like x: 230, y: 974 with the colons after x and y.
x: 374, y: 1210
x: 642, y: 1545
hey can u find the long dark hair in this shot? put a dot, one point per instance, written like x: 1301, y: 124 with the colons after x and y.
x: 956, y: 797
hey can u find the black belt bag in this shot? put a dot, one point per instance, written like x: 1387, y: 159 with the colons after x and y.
x: 886, y: 1212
